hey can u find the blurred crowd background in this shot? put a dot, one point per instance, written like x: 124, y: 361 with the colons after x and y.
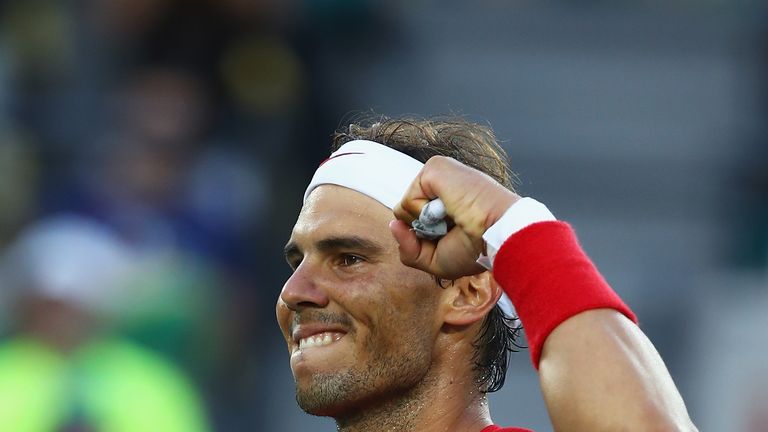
x: 153, y: 155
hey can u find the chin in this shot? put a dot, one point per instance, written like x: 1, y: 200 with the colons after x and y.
x: 329, y: 395
x: 321, y: 408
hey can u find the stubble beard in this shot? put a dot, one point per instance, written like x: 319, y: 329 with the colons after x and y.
x: 349, y: 394
x: 327, y: 391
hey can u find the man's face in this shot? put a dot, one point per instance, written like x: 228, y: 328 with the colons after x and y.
x: 360, y: 326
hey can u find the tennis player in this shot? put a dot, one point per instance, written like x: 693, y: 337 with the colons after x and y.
x: 408, y: 254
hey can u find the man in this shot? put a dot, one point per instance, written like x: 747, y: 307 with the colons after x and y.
x: 396, y: 328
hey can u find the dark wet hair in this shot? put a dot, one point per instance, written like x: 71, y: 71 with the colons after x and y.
x: 476, y: 146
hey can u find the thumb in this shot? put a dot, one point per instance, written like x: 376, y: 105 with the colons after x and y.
x: 413, y: 251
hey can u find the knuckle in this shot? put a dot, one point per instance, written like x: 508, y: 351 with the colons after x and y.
x: 432, y: 170
x: 411, y: 209
x: 399, y: 211
x: 415, y: 206
x: 438, y: 161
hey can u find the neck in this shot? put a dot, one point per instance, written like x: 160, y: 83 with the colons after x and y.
x: 442, y: 404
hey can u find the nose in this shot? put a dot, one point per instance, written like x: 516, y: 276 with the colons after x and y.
x: 303, y: 290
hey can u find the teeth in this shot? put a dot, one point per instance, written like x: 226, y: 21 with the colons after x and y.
x: 320, y: 339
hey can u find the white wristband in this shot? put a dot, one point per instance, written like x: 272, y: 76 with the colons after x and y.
x: 519, y: 215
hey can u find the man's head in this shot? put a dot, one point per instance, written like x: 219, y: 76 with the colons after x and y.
x: 384, y: 328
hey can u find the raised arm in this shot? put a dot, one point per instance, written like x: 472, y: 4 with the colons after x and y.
x: 597, y: 369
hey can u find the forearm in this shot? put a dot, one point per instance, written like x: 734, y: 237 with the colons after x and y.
x: 598, y: 371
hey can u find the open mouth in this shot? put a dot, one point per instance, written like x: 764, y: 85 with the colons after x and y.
x: 319, y: 339
x: 318, y: 348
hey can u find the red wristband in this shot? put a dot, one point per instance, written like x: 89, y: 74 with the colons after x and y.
x: 549, y: 279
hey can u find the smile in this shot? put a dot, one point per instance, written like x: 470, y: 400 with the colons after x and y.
x: 319, y: 339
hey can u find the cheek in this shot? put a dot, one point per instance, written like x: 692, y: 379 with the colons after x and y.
x: 412, y: 293
x: 388, y: 304
x: 402, y: 313
x: 361, y: 297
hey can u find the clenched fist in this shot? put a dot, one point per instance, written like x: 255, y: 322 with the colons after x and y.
x: 473, y: 202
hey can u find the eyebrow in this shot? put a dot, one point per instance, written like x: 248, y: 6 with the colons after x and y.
x: 329, y: 244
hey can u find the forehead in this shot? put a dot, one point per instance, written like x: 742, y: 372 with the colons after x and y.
x: 337, y: 210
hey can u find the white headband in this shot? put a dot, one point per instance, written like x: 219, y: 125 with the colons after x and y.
x: 370, y: 168
x: 378, y: 171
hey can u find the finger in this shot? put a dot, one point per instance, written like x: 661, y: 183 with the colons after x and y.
x: 413, y: 251
x: 414, y: 199
x: 425, y: 187
x: 402, y: 214
x: 409, y: 209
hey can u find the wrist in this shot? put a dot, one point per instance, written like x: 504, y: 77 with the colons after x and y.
x: 549, y: 279
x: 516, y: 216
x: 501, y: 203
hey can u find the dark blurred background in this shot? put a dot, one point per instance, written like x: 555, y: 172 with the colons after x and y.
x: 177, y: 136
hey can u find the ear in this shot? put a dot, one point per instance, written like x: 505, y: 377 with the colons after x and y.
x: 470, y: 298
